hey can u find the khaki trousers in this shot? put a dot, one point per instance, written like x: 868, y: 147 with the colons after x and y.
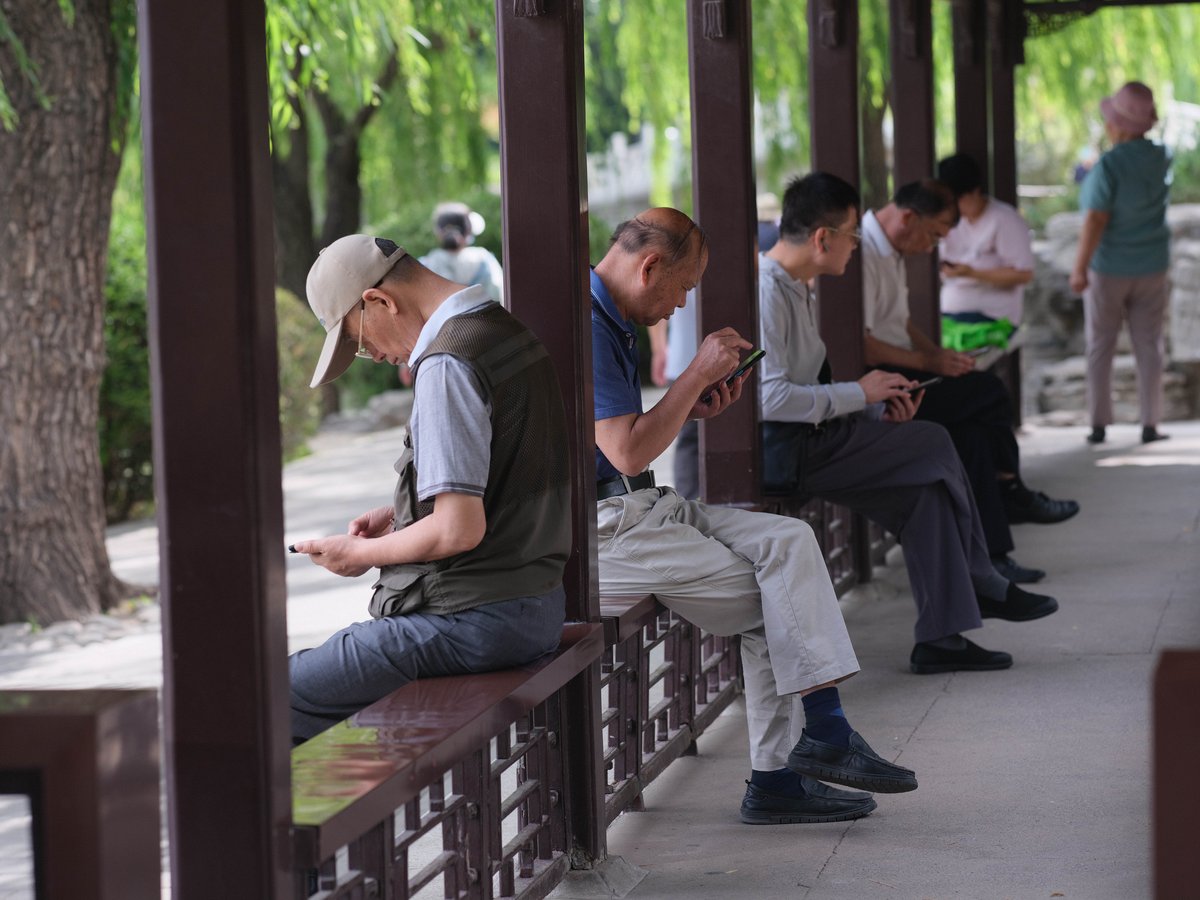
x: 1107, y: 302
x: 730, y: 571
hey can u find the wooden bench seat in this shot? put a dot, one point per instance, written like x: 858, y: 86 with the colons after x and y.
x: 347, y: 779
x: 624, y: 615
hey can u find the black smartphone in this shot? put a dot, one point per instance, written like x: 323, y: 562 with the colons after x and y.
x: 978, y: 351
x: 924, y: 384
x: 747, y: 364
x: 292, y: 548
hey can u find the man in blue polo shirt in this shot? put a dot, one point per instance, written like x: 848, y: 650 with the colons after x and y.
x: 727, y: 571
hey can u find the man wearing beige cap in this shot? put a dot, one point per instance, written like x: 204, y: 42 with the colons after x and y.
x: 471, y: 552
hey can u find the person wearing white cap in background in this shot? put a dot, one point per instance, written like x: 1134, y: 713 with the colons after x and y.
x: 456, y: 257
x: 471, y: 550
x: 1124, y: 251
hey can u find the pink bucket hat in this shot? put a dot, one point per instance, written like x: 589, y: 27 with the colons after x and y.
x: 1130, y: 109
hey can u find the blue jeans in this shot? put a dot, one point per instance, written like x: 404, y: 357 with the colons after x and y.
x: 368, y: 660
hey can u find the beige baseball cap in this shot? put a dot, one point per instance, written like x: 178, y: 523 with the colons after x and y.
x: 335, y: 286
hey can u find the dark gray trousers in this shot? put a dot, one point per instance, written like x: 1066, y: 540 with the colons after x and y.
x: 908, y: 478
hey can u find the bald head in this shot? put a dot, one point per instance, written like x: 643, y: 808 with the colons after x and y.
x: 663, y: 230
x: 654, y: 260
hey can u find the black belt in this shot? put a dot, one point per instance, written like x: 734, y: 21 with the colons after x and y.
x: 620, y: 484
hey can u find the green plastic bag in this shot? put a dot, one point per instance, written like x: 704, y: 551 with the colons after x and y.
x: 963, y: 336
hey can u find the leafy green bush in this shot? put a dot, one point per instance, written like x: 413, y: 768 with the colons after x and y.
x: 125, y: 435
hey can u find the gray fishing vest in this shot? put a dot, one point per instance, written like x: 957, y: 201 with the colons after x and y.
x: 527, y: 499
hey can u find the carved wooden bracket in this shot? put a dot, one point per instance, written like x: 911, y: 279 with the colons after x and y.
x: 830, y: 23
x: 714, y: 19
x: 527, y: 8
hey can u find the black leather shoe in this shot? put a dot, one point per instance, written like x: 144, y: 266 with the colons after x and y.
x: 1097, y: 435
x: 1024, y: 505
x: 820, y: 803
x: 856, y: 766
x: 1015, y: 572
x: 927, y: 659
x: 1152, y: 434
x: 1018, y: 606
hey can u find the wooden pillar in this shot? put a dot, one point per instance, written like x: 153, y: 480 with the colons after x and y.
x: 968, y: 22
x: 911, y: 35
x: 1006, y: 26
x: 833, y: 110
x: 217, y: 464
x: 833, y: 100
x: 1176, y: 736
x: 543, y: 178
x: 723, y: 191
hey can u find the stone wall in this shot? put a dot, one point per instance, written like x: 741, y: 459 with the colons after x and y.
x: 1054, y: 346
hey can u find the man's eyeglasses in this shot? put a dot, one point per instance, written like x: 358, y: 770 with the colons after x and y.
x: 854, y: 234
x: 362, y: 352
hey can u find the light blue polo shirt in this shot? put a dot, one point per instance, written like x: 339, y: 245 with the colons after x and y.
x: 616, y: 384
x: 1131, y: 182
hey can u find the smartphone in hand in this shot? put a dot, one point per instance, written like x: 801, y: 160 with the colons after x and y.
x: 745, y: 366
x: 924, y: 384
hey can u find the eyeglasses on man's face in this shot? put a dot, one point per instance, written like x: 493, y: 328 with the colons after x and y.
x: 855, y: 234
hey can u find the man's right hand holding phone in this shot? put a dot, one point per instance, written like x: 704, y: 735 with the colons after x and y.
x: 717, y: 357
x: 894, y: 390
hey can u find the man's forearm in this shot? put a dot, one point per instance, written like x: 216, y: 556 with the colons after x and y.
x: 1002, y: 277
x: 881, y: 353
x: 631, y: 443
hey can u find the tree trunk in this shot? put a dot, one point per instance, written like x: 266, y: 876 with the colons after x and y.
x: 60, y: 170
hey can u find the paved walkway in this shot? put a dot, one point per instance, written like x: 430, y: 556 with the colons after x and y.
x: 1034, y: 781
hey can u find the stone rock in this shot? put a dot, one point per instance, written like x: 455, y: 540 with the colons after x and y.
x: 1062, y: 397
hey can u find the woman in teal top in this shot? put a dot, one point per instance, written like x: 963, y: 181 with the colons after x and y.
x: 1124, y: 251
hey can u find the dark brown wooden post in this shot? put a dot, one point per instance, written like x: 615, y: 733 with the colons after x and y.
x: 912, y: 105
x: 540, y: 49
x: 723, y: 192
x: 1176, y: 737
x: 1006, y: 41
x: 1006, y: 36
x: 216, y: 447
x: 833, y: 110
x: 968, y: 19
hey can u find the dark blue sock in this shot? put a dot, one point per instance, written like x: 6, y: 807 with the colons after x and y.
x: 824, y: 719
x: 782, y: 782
